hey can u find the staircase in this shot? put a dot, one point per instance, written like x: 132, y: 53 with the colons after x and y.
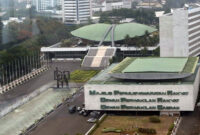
x: 98, y: 57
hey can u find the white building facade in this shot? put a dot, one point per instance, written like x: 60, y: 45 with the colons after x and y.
x: 141, y: 97
x: 42, y: 5
x: 110, y: 5
x: 180, y: 33
x: 152, y: 89
x: 76, y: 11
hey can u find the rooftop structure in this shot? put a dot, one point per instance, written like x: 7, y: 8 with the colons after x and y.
x: 128, y: 86
x: 97, y: 32
x: 155, y: 68
x: 148, y: 69
x: 156, y: 65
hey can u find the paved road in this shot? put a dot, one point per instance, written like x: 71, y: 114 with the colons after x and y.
x: 33, y: 84
x: 27, y: 114
x: 190, y: 124
x: 61, y: 122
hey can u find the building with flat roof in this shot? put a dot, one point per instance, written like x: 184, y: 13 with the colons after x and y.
x: 148, y: 4
x: 145, y: 84
x: 76, y: 11
x: 42, y: 5
x: 108, y: 5
x: 180, y: 33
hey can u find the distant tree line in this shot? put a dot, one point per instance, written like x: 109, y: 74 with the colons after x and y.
x: 21, y: 56
x: 50, y: 31
x: 142, y: 41
x: 144, y: 16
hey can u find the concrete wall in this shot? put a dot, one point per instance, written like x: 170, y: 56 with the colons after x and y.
x: 180, y: 36
x: 166, y: 36
x: 185, y: 103
x: 174, y: 34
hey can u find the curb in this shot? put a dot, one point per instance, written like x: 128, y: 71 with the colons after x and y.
x: 94, y: 126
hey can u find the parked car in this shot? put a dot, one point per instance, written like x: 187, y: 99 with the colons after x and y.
x: 79, y: 108
x: 72, y: 109
x: 86, y: 113
x: 92, y: 120
x: 81, y: 112
x: 94, y: 114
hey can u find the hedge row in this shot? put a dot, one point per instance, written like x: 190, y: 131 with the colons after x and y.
x: 82, y: 76
x: 154, y: 119
x: 147, y: 130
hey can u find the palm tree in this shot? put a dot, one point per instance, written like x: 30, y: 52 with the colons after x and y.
x: 144, y: 51
x: 146, y: 34
x: 127, y: 40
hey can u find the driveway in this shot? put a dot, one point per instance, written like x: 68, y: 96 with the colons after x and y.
x: 61, y: 122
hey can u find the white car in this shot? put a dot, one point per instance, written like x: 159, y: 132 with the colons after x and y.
x: 78, y: 108
x: 92, y: 120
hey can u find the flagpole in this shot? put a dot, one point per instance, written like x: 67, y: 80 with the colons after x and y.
x: 10, y: 72
x: 18, y: 69
x: 3, y: 72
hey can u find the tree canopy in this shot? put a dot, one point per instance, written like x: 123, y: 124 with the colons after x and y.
x: 24, y: 42
x: 144, y: 16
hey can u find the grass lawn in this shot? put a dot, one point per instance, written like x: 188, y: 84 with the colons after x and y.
x: 129, y: 123
x: 82, y: 76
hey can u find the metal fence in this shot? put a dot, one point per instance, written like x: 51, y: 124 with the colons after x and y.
x: 20, y: 70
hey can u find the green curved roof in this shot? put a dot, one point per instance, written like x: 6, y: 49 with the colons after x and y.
x: 96, y: 32
x: 132, y: 29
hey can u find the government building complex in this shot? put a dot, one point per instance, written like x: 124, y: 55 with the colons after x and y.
x: 145, y: 84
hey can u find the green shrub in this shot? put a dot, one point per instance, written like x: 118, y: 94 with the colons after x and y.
x: 154, y: 119
x: 115, y: 130
x: 147, y: 130
x: 170, y: 129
